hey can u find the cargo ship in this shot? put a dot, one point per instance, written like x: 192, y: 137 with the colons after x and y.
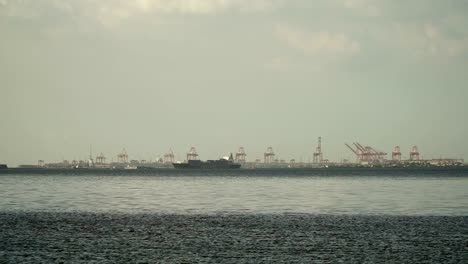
x: 224, y: 163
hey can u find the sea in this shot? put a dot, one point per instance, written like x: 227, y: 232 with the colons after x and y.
x: 243, y: 216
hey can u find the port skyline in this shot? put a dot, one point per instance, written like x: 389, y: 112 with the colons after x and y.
x: 363, y: 155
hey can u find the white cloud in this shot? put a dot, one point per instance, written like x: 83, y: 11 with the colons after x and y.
x: 113, y: 12
x: 366, y: 7
x: 173, y: 6
x: 322, y: 42
x: 439, y: 43
x: 427, y: 39
x: 193, y: 6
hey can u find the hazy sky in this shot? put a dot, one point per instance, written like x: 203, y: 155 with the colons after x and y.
x: 150, y: 75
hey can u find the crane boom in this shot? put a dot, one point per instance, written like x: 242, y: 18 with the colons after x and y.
x: 358, y: 146
x: 351, y: 148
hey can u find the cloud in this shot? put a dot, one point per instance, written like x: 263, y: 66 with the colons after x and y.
x: 110, y: 13
x: 200, y: 6
x: 321, y: 42
x: 120, y: 7
x: 154, y: 6
x: 439, y: 43
x: 366, y: 7
x: 113, y: 12
x: 427, y: 39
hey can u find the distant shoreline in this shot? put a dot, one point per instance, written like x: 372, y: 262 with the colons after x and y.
x: 330, y: 171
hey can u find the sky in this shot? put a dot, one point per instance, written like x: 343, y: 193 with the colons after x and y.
x: 150, y: 75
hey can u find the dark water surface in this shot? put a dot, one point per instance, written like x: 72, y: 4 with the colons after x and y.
x: 220, y: 217
x: 48, y: 237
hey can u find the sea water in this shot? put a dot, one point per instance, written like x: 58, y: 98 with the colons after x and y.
x: 153, y: 217
x: 212, y: 194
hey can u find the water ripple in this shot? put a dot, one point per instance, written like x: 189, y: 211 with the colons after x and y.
x: 210, y: 194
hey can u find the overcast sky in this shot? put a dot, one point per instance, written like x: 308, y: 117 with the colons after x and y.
x: 150, y: 75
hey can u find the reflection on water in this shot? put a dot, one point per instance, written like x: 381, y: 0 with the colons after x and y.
x: 213, y: 194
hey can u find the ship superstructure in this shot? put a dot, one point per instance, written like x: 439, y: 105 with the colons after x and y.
x: 194, y: 163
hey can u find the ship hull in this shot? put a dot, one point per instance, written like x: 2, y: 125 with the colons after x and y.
x: 206, y: 165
